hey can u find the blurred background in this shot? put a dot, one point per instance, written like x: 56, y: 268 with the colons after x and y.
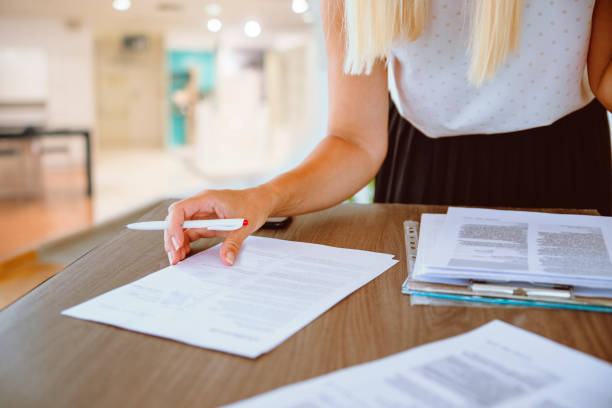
x: 109, y: 106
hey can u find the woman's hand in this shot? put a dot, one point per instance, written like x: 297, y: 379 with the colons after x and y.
x: 254, y: 205
x: 341, y: 164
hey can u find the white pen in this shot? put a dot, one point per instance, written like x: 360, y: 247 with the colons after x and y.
x: 228, y: 224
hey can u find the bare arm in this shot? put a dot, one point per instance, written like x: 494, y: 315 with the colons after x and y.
x: 346, y: 160
x: 599, y: 59
x: 356, y: 143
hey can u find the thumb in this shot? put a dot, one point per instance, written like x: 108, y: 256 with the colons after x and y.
x: 231, y: 245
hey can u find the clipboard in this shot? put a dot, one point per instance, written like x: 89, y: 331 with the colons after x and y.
x: 493, y: 293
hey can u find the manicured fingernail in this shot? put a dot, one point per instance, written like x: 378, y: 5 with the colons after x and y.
x: 170, y: 258
x: 230, y: 257
x: 176, y: 246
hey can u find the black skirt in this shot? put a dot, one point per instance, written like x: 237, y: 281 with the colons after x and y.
x: 564, y: 165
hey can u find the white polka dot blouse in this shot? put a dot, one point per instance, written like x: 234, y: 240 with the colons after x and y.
x: 541, y: 83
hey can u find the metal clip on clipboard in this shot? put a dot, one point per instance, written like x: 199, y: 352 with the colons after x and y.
x: 411, y: 239
x: 507, y: 289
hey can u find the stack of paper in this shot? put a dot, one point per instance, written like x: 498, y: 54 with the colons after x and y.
x: 274, y: 289
x: 515, y: 253
x: 496, y: 365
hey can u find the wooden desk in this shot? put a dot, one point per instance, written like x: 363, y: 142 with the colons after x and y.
x: 51, y: 360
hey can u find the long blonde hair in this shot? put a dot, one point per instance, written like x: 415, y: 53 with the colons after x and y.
x: 371, y: 26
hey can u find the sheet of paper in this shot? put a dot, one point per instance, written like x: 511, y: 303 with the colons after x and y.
x: 274, y: 289
x: 429, y: 231
x: 496, y: 365
x: 431, y: 227
x: 525, y: 246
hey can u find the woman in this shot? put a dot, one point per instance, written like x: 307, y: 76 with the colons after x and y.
x: 505, y: 123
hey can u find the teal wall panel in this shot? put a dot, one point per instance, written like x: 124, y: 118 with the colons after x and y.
x: 178, y: 63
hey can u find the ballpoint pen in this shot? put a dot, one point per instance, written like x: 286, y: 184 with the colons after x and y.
x: 228, y: 224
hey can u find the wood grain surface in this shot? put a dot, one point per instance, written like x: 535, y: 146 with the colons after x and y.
x: 51, y: 360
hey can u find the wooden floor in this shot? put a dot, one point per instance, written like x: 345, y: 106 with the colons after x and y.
x: 21, y: 274
x: 61, y: 209
x: 124, y: 181
x: 27, y: 224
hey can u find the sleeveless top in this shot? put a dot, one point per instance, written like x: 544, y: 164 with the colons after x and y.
x: 544, y: 81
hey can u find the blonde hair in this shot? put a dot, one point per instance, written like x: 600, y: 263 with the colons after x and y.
x: 371, y: 27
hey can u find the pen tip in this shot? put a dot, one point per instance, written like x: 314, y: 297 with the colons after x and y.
x: 245, y: 222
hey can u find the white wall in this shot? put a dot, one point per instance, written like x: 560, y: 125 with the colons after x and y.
x: 190, y: 40
x: 130, y: 93
x: 69, y: 55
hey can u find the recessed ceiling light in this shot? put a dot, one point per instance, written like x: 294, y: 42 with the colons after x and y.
x: 214, y: 25
x: 213, y: 9
x: 299, y: 6
x: 122, y: 5
x: 252, y: 28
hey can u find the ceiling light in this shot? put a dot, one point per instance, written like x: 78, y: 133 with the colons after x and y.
x: 252, y: 29
x: 122, y: 5
x: 213, y: 9
x: 299, y: 6
x: 214, y: 25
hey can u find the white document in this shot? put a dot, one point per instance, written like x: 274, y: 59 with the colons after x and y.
x: 496, y: 365
x: 274, y: 289
x: 431, y: 228
x: 429, y: 231
x: 524, y: 246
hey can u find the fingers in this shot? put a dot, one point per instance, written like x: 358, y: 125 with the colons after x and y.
x: 176, y: 240
x: 167, y: 246
x: 193, y: 234
x: 174, y: 232
x: 171, y: 245
x: 210, y: 204
x: 232, y: 244
x: 175, y: 257
x: 190, y: 235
